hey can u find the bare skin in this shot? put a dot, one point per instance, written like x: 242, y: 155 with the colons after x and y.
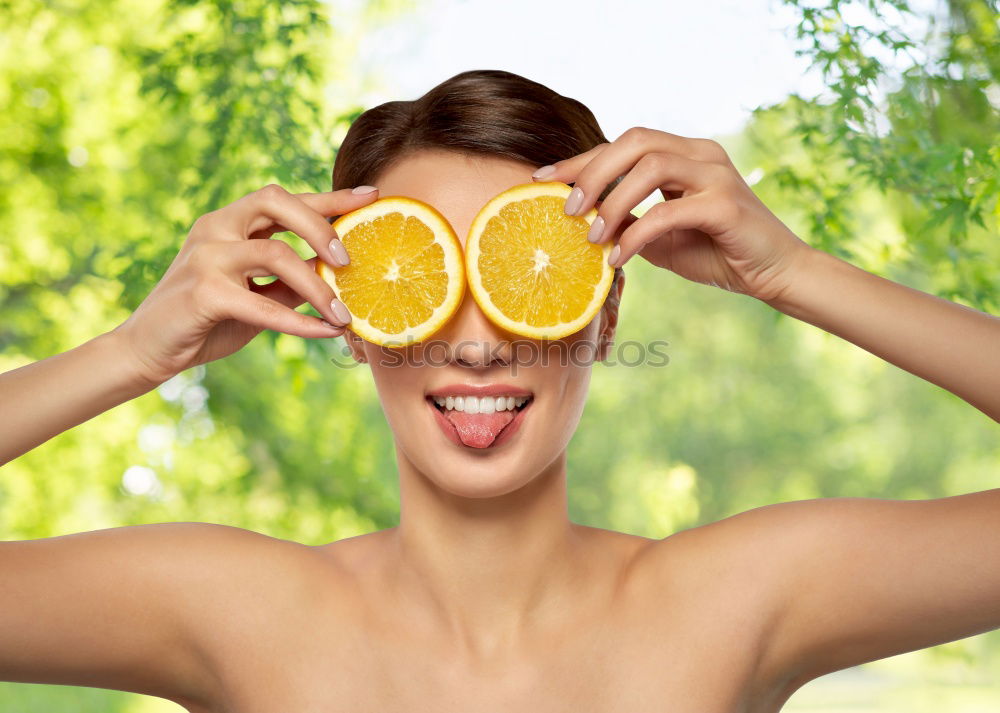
x: 486, y: 597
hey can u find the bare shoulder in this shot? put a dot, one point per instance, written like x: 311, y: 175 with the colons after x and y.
x: 719, y: 550
x: 736, y: 574
x: 255, y: 596
x: 245, y: 573
x: 118, y: 598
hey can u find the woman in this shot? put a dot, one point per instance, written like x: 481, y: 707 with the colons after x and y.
x: 486, y: 596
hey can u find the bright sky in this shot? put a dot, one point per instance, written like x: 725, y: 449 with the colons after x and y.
x: 690, y: 68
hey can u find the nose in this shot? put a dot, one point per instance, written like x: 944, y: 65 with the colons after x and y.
x: 472, y: 340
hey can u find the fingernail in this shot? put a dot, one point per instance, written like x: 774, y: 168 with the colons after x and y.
x: 339, y: 253
x: 613, y: 257
x: 327, y: 324
x: 342, y: 316
x: 543, y: 172
x: 596, y: 229
x: 574, y: 201
x: 364, y: 189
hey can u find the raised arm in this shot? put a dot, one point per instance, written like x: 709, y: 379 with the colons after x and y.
x: 96, y: 608
x: 714, y: 230
x: 204, y: 308
x: 948, y: 344
x: 50, y: 396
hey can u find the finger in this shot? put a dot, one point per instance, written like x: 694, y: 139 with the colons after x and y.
x: 633, y: 143
x: 666, y: 171
x: 267, y: 232
x: 272, y: 204
x: 258, y: 258
x: 218, y: 224
x: 619, y: 160
x: 278, y: 291
x: 336, y: 203
x: 612, y: 234
x: 252, y: 308
x: 329, y: 204
x: 567, y: 169
x: 690, y: 212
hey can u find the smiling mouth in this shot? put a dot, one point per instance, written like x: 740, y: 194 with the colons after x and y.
x: 480, y: 404
x: 479, y: 422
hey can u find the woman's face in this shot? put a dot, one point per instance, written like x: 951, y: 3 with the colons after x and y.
x: 485, y: 454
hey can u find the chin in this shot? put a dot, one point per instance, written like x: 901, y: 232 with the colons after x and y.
x: 479, y: 478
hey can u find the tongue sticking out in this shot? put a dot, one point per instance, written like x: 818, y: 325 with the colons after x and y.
x: 479, y: 430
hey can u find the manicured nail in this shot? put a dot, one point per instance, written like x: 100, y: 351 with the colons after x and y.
x: 342, y: 316
x: 574, y: 201
x: 339, y: 253
x: 327, y: 324
x: 596, y: 229
x: 543, y: 172
x: 613, y: 257
x: 364, y: 189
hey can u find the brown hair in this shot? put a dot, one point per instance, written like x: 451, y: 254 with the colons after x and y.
x: 486, y: 112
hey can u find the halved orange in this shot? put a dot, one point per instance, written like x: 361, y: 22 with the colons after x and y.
x: 530, y: 266
x: 406, y: 277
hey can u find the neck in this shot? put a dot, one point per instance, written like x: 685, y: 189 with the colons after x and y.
x: 487, y: 567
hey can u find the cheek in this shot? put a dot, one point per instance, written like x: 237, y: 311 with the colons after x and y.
x: 567, y: 380
x: 581, y: 347
x: 397, y: 381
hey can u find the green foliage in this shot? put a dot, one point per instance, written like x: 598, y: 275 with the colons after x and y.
x: 911, y: 108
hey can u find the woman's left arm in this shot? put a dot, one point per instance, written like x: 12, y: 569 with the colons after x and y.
x: 852, y: 579
x: 948, y: 344
x: 714, y: 230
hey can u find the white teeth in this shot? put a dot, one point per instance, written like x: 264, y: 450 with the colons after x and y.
x: 480, y: 404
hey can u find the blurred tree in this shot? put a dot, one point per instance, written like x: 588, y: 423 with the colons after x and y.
x: 912, y: 107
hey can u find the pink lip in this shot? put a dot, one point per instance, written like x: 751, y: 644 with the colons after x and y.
x: 505, y: 435
x: 479, y: 390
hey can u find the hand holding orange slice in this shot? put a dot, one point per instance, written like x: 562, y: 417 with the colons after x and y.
x: 529, y: 266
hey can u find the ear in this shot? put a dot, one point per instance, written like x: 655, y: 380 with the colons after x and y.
x: 356, y: 345
x: 609, y: 316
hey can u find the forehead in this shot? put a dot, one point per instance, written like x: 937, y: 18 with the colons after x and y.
x: 457, y: 185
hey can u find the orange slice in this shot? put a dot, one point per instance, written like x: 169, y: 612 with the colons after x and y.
x: 406, y: 277
x: 530, y: 267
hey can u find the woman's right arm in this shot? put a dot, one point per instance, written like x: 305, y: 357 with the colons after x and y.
x: 205, y: 307
x: 137, y: 608
x: 55, y: 394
